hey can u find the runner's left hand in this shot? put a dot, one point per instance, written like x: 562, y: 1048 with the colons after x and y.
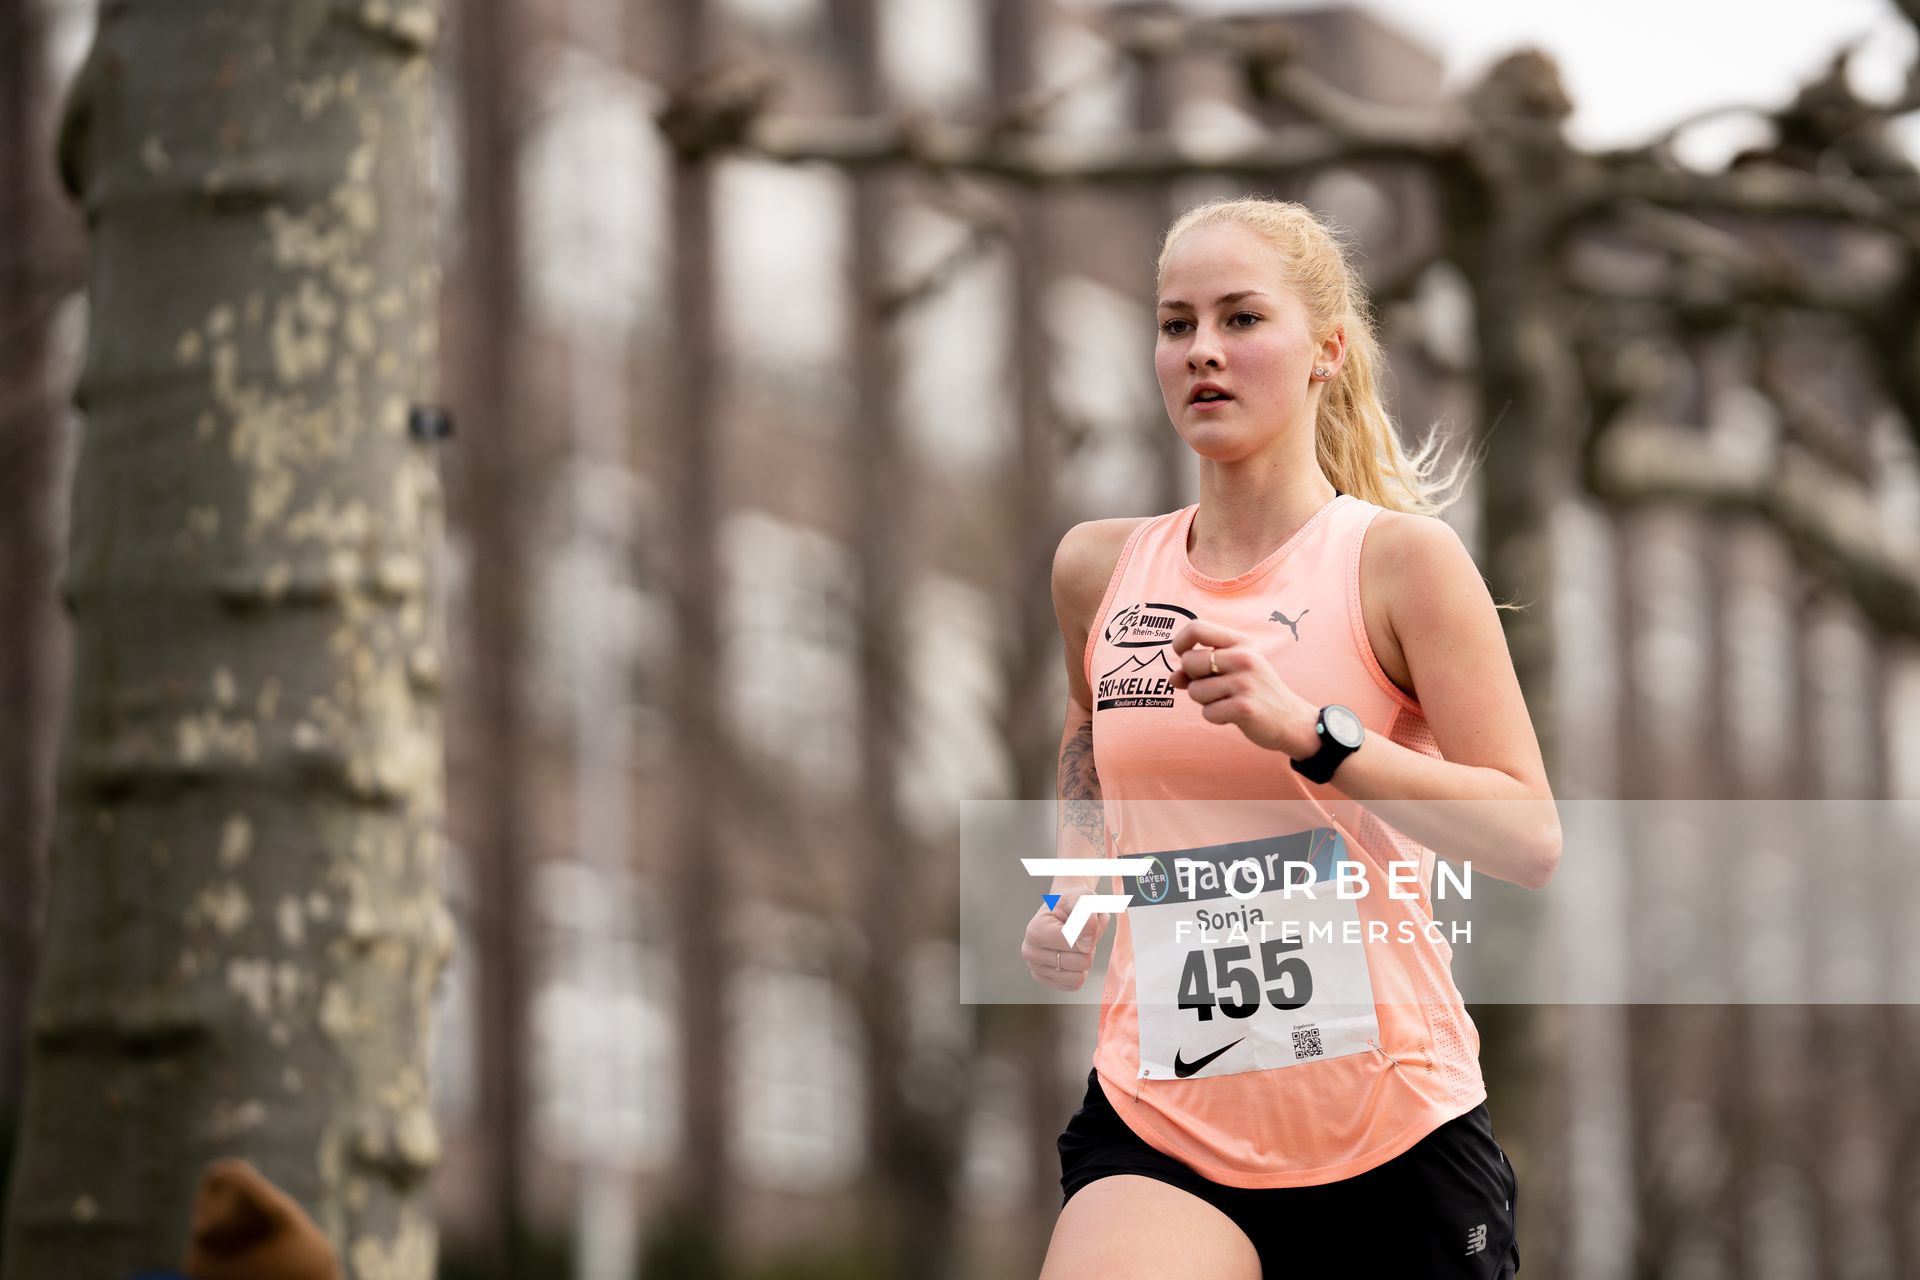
x: 1247, y: 693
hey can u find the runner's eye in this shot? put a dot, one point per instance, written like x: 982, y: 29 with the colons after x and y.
x: 1169, y: 327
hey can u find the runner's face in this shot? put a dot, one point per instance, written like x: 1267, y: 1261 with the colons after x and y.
x: 1227, y: 316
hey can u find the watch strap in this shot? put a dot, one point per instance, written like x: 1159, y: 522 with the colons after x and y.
x: 1319, y: 767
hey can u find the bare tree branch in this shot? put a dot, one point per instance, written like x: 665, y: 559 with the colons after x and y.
x: 1513, y: 191
x: 987, y: 225
x: 1809, y: 423
x: 1717, y: 277
x: 1029, y: 110
x: 1043, y: 161
x: 1268, y: 49
x: 1660, y: 148
x: 1910, y: 9
x: 1828, y: 522
x: 1760, y: 190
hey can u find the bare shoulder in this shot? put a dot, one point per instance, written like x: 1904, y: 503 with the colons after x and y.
x: 1407, y: 556
x: 1399, y: 539
x: 1084, y: 564
x: 1449, y: 638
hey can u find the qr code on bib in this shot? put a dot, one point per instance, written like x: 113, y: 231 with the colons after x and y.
x: 1306, y: 1043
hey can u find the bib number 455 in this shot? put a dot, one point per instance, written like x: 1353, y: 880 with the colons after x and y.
x: 1289, y: 981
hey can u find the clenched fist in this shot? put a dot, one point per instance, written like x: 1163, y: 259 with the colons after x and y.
x: 1045, y: 948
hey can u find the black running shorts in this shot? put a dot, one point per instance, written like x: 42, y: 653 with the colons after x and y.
x: 1444, y: 1207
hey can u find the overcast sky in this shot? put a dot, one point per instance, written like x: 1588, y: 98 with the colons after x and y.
x: 1633, y: 66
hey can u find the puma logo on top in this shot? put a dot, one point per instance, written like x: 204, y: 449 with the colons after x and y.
x: 1293, y: 624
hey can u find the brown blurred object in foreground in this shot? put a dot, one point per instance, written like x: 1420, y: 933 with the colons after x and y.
x: 245, y: 1228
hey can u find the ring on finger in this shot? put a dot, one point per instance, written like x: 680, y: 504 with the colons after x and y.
x: 1056, y: 961
x: 1213, y: 661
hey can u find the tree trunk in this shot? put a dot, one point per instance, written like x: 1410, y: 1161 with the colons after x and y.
x: 245, y: 924
x: 1502, y: 237
x: 490, y: 510
x: 703, y: 1194
x: 1030, y: 717
x: 29, y: 462
x: 909, y: 1180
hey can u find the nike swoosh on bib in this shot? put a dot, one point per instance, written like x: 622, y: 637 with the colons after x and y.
x: 1185, y: 1069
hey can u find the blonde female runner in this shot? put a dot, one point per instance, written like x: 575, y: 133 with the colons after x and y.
x: 1267, y: 1098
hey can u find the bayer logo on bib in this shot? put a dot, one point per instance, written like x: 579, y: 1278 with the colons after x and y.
x: 1152, y: 885
x: 1242, y: 962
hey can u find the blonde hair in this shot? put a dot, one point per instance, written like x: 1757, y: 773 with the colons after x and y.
x: 1354, y: 438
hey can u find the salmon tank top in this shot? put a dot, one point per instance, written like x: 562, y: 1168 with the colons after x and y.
x: 1284, y: 1040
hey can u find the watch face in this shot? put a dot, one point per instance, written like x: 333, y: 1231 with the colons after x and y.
x: 1342, y: 725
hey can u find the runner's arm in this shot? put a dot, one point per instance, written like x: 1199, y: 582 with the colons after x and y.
x: 1082, y: 818
x: 1500, y: 814
x: 1082, y: 566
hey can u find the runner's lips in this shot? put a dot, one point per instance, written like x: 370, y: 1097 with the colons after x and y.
x: 1193, y: 396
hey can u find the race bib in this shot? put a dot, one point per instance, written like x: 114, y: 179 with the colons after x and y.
x: 1244, y: 962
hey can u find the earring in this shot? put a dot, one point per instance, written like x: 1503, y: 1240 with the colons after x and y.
x: 1319, y: 371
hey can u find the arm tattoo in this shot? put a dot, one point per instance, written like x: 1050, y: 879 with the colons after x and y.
x: 1080, y: 803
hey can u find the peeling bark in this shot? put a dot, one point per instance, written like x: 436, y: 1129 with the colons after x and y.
x: 245, y: 918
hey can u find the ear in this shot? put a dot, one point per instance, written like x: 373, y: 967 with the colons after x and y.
x: 1333, y: 352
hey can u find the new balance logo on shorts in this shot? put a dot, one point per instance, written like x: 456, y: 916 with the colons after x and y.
x: 1477, y: 1239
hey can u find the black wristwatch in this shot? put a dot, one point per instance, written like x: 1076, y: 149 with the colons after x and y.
x: 1340, y: 736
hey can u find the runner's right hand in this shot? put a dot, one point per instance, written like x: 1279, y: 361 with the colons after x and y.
x: 1046, y: 941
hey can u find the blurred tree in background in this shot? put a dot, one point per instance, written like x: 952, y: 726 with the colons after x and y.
x: 246, y: 922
